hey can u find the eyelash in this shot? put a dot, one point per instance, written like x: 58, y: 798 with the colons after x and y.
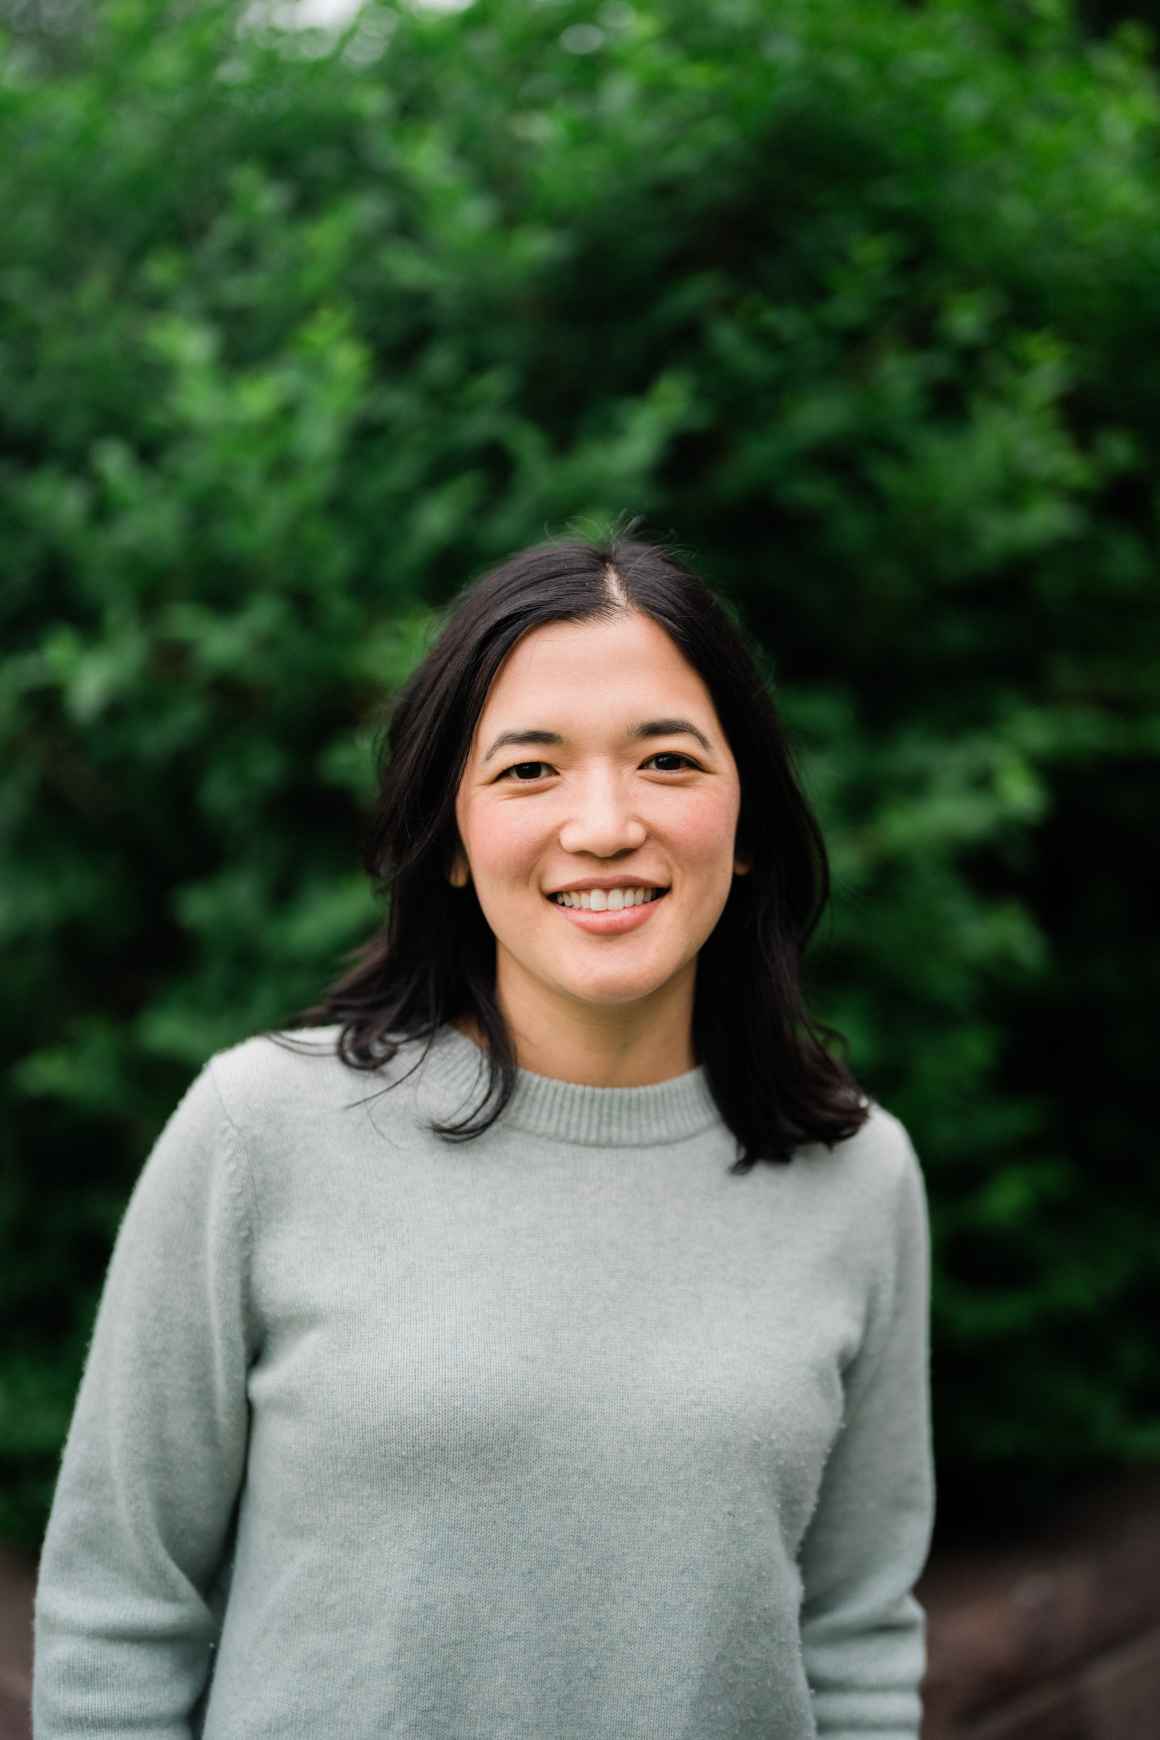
x: 675, y: 754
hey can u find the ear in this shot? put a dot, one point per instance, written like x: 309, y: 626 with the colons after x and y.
x: 743, y: 865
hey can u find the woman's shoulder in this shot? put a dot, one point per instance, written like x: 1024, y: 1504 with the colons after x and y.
x: 873, y: 1170
x: 293, y: 1072
x: 894, y: 1185
x: 881, y: 1143
x: 885, y: 1140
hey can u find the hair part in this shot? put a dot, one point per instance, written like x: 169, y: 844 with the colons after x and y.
x: 433, y: 958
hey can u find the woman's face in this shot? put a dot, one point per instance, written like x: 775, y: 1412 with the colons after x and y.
x: 536, y: 816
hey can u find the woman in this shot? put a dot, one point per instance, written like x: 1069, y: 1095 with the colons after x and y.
x: 573, y: 1420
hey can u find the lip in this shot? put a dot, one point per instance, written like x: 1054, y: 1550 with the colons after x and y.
x: 587, y: 884
x: 610, y: 923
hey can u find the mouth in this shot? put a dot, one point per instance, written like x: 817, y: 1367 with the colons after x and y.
x: 610, y: 922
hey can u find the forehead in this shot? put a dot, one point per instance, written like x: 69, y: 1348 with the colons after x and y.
x: 589, y: 669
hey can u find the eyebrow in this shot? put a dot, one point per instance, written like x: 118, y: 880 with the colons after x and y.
x: 643, y: 729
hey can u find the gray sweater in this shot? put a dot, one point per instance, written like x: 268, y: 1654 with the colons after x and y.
x: 564, y: 1433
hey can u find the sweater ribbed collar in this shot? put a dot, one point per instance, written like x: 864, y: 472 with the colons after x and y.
x: 455, y: 1072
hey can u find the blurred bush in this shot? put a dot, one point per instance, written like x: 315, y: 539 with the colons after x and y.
x: 299, y: 329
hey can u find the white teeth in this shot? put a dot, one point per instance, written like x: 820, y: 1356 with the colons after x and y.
x: 606, y: 900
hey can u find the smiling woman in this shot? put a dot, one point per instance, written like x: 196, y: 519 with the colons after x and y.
x: 669, y: 767
x: 617, y: 1424
x: 602, y: 815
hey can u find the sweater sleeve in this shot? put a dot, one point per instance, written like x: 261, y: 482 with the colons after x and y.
x: 863, y: 1631
x: 154, y: 1456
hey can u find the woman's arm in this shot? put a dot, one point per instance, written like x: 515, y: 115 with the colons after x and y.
x: 156, y: 1449
x: 863, y: 1632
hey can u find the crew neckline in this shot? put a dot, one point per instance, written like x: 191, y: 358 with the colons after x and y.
x: 569, y: 1111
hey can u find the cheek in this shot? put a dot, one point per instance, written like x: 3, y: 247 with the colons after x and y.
x: 707, y: 828
x: 504, y: 837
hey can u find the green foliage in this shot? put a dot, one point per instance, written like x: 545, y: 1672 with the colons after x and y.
x: 299, y: 330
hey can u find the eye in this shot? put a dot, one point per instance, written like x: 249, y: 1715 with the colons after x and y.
x: 661, y: 754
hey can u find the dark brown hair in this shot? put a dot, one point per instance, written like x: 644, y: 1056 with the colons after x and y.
x: 433, y: 958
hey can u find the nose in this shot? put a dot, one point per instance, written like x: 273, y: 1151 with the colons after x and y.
x: 602, y: 821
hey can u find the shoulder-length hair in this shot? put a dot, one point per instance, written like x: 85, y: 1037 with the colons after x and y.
x: 433, y: 958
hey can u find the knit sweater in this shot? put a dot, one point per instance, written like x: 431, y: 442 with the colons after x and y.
x: 562, y: 1433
